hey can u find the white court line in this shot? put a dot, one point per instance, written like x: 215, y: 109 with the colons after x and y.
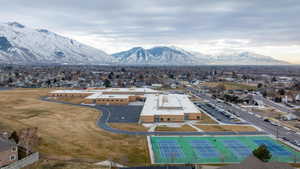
x: 150, y: 150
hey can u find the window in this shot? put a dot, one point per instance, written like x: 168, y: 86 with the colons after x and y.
x: 14, y: 149
x: 161, y: 119
x: 169, y: 119
x: 12, y: 157
x: 198, y: 117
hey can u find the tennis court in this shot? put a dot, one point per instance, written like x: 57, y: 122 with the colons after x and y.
x: 214, y: 150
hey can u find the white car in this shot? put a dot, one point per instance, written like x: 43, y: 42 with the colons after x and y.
x: 258, y: 116
x: 274, y: 124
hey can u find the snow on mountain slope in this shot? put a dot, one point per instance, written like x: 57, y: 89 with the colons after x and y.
x: 244, y: 58
x: 177, y: 56
x: 22, y: 45
x: 160, y: 55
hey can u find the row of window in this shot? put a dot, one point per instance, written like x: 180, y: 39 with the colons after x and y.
x: 112, y: 100
x: 169, y: 119
x: 69, y: 95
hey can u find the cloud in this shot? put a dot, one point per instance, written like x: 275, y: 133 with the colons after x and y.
x: 120, y: 24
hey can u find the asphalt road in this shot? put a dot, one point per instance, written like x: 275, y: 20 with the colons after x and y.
x: 103, y: 121
x: 273, y: 104
x: 277, y: 131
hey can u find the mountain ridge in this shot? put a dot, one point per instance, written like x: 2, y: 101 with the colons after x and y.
x: 160, y: 55
x: 22, y: 45
x: 184, y: 57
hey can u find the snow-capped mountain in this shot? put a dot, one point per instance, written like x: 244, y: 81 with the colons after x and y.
x: 243, y: 58
x: 22, y: 45
x: 176, y: 56
x: 160, y: 55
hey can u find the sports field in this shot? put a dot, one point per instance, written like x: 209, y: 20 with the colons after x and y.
x: 221, y: 149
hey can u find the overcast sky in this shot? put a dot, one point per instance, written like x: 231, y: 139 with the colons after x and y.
x: 269, y: 27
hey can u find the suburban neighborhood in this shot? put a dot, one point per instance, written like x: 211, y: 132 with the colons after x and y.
x: 191, y: 119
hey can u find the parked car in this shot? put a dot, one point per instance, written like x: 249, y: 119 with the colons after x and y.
x: 297, y: 143
x: 285, y: 138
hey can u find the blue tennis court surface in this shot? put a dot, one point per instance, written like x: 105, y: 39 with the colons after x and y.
x: 273, y: 148
x: 204, y: 149
x: 217, y: 149
x: 170, y: 149
x: 239, y: 149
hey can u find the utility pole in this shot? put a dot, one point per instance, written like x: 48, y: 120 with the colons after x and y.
x: 277, y: 132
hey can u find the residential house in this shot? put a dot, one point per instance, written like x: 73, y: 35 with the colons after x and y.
x: 8, y: 151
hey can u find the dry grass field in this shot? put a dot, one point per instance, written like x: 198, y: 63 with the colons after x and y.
x: 68, y: 132
x: 268, y: 112
x: 233, y: 128
x: 231, y: 85
x: 128, y: 126
x: 205, y: 119
x: 74, y: 100
x: 184, y: 128
x: 54, y: 164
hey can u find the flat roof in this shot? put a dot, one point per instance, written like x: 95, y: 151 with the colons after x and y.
x: 107, y: 96
x: 131, y: 90
x: 119, y: 90
x: 76, y: 91
x: 171, y: 104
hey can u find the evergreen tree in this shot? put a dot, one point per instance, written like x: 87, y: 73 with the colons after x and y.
x: 262, y: 153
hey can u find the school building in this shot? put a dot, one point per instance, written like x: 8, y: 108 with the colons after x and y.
x: 107, y: 96
x: 169, y: 108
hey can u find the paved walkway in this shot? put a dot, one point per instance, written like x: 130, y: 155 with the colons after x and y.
x: 102, y: 122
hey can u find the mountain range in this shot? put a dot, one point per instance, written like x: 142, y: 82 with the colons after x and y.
x: 26, y: 46
x: 175, y: 56
x: 22, y: 45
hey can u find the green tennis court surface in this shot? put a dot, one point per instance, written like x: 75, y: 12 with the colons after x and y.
x: 222, y: 149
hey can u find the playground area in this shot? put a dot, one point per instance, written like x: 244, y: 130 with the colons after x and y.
x: 215, y: 150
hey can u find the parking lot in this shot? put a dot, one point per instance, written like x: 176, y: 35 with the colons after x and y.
x: 219, y: 115
x: 122, y: 113
x: 289, y: 136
